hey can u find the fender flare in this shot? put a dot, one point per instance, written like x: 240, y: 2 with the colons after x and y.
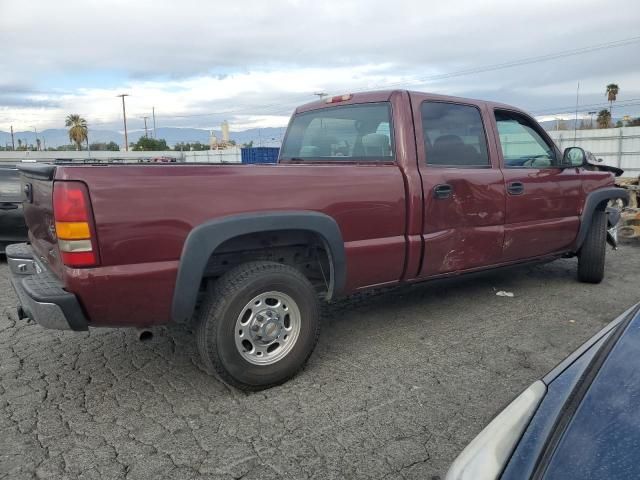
x: 204, y: 239
x: 593, y: 200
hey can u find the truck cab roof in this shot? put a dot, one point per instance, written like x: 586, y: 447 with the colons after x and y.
x: 385, y: 95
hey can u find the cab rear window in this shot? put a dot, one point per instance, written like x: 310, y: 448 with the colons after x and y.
x: 346, y: 133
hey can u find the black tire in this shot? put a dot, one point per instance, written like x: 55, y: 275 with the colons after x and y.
x: 225, y: 300
x: 592, y: 253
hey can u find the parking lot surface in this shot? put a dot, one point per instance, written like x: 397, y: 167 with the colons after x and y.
x: 400, y: 382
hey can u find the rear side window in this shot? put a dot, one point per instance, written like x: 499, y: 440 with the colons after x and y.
x: 454, y: 135
x: 349, y: 133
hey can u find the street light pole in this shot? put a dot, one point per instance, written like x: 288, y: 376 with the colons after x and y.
x: 124, y: 117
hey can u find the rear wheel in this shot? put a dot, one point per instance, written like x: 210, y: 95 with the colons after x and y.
x: 592, y: 253
x: 258, y: 324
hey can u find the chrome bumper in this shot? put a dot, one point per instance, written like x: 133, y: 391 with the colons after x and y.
x: 42, y: 297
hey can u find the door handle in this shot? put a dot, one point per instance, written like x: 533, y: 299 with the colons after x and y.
x: 515, y: 188
x: 444, y: 190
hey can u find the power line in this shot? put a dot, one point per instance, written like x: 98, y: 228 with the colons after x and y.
x: 583, y: 110
x: 282, y: 108
x: 536, y: 59
x: 444, y: 76
x: 619, y: 103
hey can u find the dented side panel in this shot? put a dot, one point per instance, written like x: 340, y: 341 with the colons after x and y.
x: 466, y: 230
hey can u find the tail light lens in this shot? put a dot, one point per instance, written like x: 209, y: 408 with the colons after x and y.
x: 74, y: 227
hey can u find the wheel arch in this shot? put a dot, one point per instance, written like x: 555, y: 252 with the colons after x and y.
x: 596, y: 200
x: 203, y: 240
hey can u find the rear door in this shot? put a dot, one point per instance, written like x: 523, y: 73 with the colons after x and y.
x: 464, y: 193
x: 543, y: 199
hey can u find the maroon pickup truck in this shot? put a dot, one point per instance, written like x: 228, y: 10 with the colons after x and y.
x: 371, y: 189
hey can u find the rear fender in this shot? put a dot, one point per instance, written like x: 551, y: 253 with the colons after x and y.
x: 204, y: 239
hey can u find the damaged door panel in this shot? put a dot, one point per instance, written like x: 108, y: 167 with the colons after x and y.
x: 464, y: 195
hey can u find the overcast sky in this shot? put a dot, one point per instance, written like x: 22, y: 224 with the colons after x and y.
x: 252, y: 62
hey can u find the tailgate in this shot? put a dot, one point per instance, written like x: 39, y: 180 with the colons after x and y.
x: 37, y: 196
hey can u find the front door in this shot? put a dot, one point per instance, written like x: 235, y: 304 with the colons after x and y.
x: 463, y: 187
x: 543, y: 199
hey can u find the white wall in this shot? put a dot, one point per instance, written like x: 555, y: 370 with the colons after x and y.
x: 230, y: 155
x: 618, y: 147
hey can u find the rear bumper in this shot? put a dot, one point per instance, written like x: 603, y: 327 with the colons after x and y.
x: 42, y: 296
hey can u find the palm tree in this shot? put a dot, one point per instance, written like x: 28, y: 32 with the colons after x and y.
x: 612, y: 93
x: 604, y: 118
x: 78, y: 131
x: 19, y: 144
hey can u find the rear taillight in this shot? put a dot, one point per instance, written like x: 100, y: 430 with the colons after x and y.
x: 72, y: 213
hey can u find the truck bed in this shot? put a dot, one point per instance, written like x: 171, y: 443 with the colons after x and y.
x: 143, y: 214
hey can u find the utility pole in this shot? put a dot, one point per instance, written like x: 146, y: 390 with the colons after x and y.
x: 153, y: 113
x: 13, y: 143
x: 321, y: 95
x: 124, y: 117
x: 146, y: 132
x: 36, y: 130
x: 575, y: 121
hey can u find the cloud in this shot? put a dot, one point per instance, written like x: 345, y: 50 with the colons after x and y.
x: 201, y: 62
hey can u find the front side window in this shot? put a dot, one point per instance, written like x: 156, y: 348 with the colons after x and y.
x: 522, y: 146
x: 454, y: 135
x: 349, y: 133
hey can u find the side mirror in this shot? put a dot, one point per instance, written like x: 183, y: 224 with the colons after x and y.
x: 574, y: 157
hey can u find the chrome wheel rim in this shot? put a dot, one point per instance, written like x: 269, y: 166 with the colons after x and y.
x: 267, y: 328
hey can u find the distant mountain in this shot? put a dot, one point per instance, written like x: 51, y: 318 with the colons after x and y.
x: 59, y: 136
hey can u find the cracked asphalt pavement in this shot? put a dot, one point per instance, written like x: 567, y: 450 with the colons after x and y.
x: 400, y: 382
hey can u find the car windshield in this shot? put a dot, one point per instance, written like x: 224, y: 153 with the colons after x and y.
x: 602, y: 438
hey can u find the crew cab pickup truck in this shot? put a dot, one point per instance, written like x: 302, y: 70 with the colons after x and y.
x: 371, y: 189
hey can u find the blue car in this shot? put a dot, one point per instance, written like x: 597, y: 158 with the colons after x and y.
x: 581, y: 421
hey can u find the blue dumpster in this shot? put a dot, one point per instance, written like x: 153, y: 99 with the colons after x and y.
x: 260, y: 155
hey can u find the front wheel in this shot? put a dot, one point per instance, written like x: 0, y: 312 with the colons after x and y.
x: 258, y: 325
x: 592, y: 253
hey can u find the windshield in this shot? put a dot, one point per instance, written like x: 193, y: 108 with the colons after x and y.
x: 347, y: 133
x: 602, y: 438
